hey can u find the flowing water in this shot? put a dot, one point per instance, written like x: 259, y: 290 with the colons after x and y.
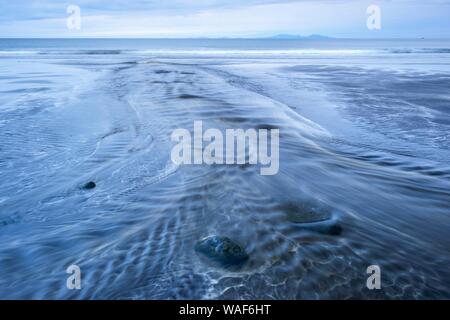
x: 364, y: 173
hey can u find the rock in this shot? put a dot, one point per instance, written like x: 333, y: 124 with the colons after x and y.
x: 313, y: 216
x: 306, y: 212
x: 162, y: 71
x: 222, y: 250
x: 189, y: 96
x: 89, y: 185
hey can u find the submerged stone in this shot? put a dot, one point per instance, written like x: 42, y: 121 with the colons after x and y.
x: 313, y: 216
x: 222, y: 250
x: 89, y: 185
x: 306, y: 212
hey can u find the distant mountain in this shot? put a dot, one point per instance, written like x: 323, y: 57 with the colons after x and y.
x: 293, y: 36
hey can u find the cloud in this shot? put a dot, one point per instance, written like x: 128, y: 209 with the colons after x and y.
x: 43, y: 9
x: 216, y: 18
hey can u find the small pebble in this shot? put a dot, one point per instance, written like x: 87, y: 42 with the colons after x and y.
x: 89, y: 185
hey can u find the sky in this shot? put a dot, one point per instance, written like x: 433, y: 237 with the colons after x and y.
x: 223, y: 18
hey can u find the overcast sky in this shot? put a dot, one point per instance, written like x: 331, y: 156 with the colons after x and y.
x: 224, y: 18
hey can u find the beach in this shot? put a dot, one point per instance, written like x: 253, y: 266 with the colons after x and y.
x: 363, y: 179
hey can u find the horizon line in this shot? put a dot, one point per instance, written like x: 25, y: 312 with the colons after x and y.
x: 224, y: 38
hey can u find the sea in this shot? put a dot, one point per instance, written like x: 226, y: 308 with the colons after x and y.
x: 363, y: 180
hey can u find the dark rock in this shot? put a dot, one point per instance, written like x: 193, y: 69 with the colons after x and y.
x: 162, y: 71
x: 306, y: 212
x: 189, y: 96
x: 313, y: 216
x: 89, y: 185
x: 222, y: 250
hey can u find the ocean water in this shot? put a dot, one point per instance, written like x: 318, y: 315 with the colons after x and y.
x: 364, y: 146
